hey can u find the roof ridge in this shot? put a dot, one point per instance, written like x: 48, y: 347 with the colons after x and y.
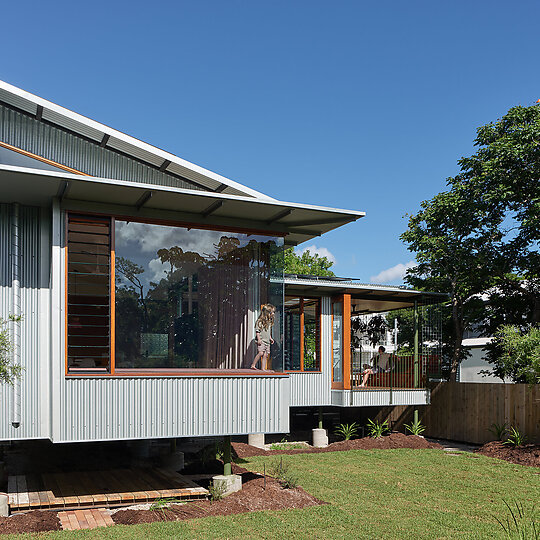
x: 72, y: 118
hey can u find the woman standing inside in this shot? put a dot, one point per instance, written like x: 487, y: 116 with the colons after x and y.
x: 263, y: 335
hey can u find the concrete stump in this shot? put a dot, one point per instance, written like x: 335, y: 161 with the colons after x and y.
x: 4, y: 505
x: 320, y: 438
x: 229, y: 483
x: 256, y: 439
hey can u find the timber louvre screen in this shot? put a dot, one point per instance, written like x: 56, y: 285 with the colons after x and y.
x: 88, y: 294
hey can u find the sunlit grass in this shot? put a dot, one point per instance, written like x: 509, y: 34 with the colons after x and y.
x: 372, y: 494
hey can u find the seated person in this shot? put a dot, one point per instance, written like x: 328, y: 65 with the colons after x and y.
x: 380, y: 364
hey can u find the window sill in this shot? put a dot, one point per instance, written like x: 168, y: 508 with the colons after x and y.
x: 303, y: 372
x: 142, y: 373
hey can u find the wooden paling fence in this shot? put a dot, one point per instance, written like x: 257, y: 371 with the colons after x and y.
x: 465, y: 411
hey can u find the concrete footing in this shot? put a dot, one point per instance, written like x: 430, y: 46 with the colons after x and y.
x: 4, y: 505
x: 256, y: 439
x: 229, y: 483
x: 320, y: 438
x: 173, y: 461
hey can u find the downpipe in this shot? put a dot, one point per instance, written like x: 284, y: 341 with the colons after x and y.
x: 16, y: 312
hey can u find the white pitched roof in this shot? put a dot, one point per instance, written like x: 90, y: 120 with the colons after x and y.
x: 117, y: 140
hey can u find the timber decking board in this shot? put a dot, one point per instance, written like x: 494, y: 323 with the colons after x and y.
x: 33, y: 491
x: 82, y: 490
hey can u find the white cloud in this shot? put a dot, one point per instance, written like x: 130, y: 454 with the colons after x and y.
x: 159, y: 270
x: 321, y: 251
x: 392, y: 274
x: 148, y: 238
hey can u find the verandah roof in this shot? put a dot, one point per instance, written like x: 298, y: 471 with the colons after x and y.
x: 365, y: 298
x: 297, y: 222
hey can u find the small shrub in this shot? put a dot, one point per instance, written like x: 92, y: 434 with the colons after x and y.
x: 515, y: 437
x: 283, y: 474
x: 521, y: 523
x: 217, y: 491
x: 347, y: 431
x: 9, y: 372
x: 377, y: 429
x: 162, y: 505
x: 499, y: 430
x: 416, y: 428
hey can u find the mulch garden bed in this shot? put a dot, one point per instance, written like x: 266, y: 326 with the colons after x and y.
x: 394, y: 440
x: 32, y: 522
x: 528, y: 454
x: 253, y: 496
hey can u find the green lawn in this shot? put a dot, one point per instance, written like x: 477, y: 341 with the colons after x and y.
x: 372, y: 494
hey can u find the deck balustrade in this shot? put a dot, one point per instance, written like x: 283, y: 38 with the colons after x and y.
x: 404, y: 371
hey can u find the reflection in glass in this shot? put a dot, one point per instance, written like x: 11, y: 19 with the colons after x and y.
x: 302, y: 334
x: 292, y: 334
x: 337, y: 341
x: 190, y: 298
x: 311, y: 335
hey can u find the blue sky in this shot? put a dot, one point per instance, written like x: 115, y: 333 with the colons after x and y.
x: 354, y: 105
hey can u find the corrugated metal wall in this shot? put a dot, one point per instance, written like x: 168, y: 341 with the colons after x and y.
x: 57, y: 145
x: 116, y: 408
x: 379, y: 398
x: 33, y: 225
x: 313, y: 389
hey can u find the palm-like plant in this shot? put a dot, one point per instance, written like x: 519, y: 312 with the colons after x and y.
x: 515, y: 437
x: 377, y: 429
x: 347, y: 431
x: 416, y: 428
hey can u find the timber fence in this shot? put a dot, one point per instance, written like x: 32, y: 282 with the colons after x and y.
x: 465, y: 411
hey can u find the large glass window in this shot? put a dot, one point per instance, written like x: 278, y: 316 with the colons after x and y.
x: 181, y: 297
x: 190, y: 298
x: 302, y: 334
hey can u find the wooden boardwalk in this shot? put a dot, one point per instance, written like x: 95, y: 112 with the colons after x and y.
x: 118, y: 487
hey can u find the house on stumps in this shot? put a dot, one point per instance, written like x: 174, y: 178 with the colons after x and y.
x: 139, y: 277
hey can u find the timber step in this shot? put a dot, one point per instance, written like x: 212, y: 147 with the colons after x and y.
x: 108, y: 488
x: 74, y: 520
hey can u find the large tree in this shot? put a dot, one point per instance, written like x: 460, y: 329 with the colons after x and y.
x: 479, y: 240
x: 307, y: 264
x: 456, y: 249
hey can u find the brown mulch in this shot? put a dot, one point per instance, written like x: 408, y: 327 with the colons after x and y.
x: 37, y: 521
x: 528, y: 454
x: 252, y: 497
x: 394, y: 440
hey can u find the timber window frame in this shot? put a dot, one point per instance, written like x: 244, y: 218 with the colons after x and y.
x: 303, y: 302
x: 89, y: 294
x: 90, y: 352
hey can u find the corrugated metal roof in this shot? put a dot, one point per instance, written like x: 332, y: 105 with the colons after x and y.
x: 131, y: 146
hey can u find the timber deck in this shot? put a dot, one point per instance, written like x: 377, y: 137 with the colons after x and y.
x: 117, y: 487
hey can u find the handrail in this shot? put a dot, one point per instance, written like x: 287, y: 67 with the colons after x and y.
x: 404, y: 371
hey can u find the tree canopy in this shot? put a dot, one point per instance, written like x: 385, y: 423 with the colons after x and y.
x: 520, y: 354
x: 481, y: 237
x: 308, y: 264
